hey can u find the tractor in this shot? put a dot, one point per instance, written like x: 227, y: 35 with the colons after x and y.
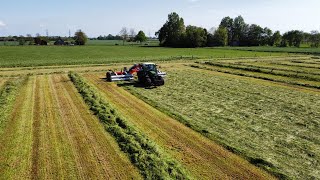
x: 148, y: 75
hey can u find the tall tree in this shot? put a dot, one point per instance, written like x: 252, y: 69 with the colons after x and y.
x: 266, y: 37
x: 132, y: 34
x: 254, y: 37
x: 80, y: 38
x: 276, y: 39
x: 239, y: 27
x: 141, y: 37
x: 227, y: 23
x: 315, y: 39
x: 171, y: 32
x: 293, y: 38
x: 195, y: 37
x: 124, y: 34
x: 219, y: 38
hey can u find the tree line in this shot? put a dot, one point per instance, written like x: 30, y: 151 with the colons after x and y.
x: 231, y: 32
x: 79, y: 38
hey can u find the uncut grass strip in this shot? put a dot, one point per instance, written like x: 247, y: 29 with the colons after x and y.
x: 266, y: 71
x: 14, y: 143
x: 143, y: 153
x: 256, y: 76
x: 7, y: 98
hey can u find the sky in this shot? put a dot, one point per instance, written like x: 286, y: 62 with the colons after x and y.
x: 103, y: 17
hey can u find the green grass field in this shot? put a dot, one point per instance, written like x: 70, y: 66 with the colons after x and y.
x: 274, y: 125
x: 12, y: 56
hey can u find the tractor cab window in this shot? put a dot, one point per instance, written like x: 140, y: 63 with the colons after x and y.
x: 150, y: 67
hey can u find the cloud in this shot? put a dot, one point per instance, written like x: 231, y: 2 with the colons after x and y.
x: 2, y: 24
x: 193, y: 1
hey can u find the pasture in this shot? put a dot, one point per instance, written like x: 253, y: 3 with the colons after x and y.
x: 221, y: 114
x: 26, y: 56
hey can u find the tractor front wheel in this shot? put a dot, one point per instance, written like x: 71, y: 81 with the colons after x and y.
x: 109, y: 78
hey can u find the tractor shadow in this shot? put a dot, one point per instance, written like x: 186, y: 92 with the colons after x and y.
x: 130, y: 84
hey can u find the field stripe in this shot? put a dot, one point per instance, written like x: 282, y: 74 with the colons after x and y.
x: 97, y: 154
x: 16, y: 144
x: 53, y: 135
x: 202, y: 157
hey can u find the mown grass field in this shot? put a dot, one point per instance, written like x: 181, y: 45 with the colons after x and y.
x: 17, y: 56
x: 262, y: 106
x: 304, y: 50
x: 255, y: 108
x: 51, y: 134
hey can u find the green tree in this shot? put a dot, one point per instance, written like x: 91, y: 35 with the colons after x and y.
x: 293, y: 38
x: 220, y: 37
x: 80, y: 38
x: 172, y: 31
x: 254, y: 37
x: 239, y: 27
x: 227, y: 23
x: 315, y: 39
x: 195, y: 37
x: 141, y: 37
x: 266, y: 37
x: 276, y: 39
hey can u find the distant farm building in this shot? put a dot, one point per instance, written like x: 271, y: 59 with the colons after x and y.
x: 60, y: 42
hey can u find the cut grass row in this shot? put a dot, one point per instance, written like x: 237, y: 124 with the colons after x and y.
x: 263, y: 76
x: 203, y: 158
x: 273, y: 71
x: 143, y: 153
x: 280, y: 67
x: 296, y: 65
x: 274, y: 126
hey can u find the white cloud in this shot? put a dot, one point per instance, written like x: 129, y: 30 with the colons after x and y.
x: 2, y: 24
x: 193, y: 0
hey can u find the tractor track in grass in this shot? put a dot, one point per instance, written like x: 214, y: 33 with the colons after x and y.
x: 202, y: 157
x: 53, y: 135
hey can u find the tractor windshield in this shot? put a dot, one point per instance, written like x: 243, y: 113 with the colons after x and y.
x: 150, y: 67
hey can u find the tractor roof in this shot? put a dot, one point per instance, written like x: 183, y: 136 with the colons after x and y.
x: 148, y: 63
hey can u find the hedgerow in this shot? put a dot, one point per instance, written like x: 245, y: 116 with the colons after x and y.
x: 142, y: 152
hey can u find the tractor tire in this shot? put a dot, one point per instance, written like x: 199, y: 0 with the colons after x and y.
x: 109, y: 79
x: 148, y: 82
x: 161, y: 81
